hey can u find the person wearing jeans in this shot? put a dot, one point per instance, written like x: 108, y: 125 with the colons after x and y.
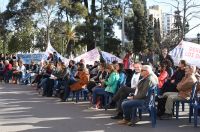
x: 131, y: 107
x: 97, y: 91
x: 66, y: 85
x: 123, y: 92
x: 111, y: 85
x: 139, y: 97
x: 76, y: 83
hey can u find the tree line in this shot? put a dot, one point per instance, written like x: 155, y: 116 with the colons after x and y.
x: 72, y: 25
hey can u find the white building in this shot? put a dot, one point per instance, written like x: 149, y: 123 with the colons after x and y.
x: 156, y: 12
x: 167, y: 23
x: 166, y: 19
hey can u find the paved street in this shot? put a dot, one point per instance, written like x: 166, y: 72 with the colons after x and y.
x: 23, y: 110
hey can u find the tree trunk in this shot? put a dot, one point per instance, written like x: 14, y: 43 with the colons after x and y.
x: 90, y: 20
x: 184, y: 19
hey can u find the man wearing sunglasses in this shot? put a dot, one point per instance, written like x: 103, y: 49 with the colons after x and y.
x: 138, y: 99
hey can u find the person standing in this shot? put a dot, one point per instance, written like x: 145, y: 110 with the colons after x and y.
x: 165, y: 56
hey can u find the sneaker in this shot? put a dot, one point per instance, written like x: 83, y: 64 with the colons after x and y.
x: 110, y: 106
x: 123, y: 122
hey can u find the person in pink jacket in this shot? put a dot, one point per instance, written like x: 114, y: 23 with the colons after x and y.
x: 163, y: 75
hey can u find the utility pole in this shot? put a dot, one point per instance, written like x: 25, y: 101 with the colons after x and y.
x: 198, y: 37
x: 102, y: 25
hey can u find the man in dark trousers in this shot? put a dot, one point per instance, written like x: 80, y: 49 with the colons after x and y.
x: 130, y: 105
x: 124, y: 92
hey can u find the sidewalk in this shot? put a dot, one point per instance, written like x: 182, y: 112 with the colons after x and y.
x: 23, y: 110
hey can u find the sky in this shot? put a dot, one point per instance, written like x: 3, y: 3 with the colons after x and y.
x: 166, y: 8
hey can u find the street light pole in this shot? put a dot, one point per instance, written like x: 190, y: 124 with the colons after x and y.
x: 198, y: 37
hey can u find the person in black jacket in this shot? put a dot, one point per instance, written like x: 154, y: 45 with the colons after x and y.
x: 165, y: 56
x: 101, y: 75
x: 170, y: 85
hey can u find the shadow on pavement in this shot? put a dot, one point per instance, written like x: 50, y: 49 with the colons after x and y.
x: 23, y: 110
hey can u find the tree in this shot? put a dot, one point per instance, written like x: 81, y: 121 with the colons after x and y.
x: 150, y: 32
x: 185, y: 11
x: 23, y: 39
x: 137, y: 25
x: 52, y: 20
x: 157, y: 34
x: 70, y: 35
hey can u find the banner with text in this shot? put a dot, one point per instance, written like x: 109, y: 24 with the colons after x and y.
x: 109, y: 58
x: 27, y: 58
x: 188, y: 51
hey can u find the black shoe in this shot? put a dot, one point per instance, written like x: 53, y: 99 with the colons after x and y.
x: 110, y: 107
x: 112, y: 103
x: 166, y: 117
x: 119, y: 116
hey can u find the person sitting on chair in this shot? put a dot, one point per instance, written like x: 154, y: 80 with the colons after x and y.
x: 184, y: 88
x: 123, y: 92
x: 139, y: 97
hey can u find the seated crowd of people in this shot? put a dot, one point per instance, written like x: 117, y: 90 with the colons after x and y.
x: 108, y: 85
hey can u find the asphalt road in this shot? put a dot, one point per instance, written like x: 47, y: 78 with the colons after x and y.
x: 23, y: 110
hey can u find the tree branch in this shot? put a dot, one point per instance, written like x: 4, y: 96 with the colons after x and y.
x: 166, y: 4
x: 192, y: 6
x: 192, y: 13
x: 189, y: 2
x: 194, y: 27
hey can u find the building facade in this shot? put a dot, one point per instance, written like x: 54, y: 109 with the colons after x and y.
x: 167, y: 23
x: 166, y: 19
x: 156, y: 12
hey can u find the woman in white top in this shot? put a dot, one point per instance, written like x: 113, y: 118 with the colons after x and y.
x: 21, y: 70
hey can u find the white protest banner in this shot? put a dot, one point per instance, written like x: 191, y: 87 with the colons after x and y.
x: 109, y: 58
x: 50, y: 49
x: 90, y: 57
x: 188, y: 51
x: 27, y: 58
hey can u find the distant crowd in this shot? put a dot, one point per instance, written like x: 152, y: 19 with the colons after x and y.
x: 123, y: 86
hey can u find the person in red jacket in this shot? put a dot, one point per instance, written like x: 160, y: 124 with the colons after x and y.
x: 127, y: 60
x: 162, y: 76
x: 7, y: 71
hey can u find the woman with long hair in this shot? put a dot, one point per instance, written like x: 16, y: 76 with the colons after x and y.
x: 162, y: 78
x: 122, y: 75
x: 59, y: 77
x: 108, y: 86
x: 80, y: 82
x: 96, y: 80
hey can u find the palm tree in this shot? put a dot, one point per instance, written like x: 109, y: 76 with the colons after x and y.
x: 70, y: 35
